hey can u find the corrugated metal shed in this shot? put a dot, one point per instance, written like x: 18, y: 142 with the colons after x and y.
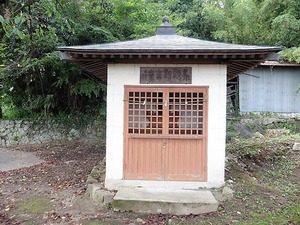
x: 271, y: 87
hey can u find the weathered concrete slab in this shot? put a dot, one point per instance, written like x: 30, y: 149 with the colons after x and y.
x: 10, y: 160
x: 164, y: 201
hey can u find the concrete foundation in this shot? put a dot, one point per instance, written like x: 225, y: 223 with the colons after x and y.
x: 164, y: 201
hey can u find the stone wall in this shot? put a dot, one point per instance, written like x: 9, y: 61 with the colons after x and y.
x: 18, y: 132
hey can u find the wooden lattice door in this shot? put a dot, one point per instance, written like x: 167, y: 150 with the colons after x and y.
x: 165, y: 133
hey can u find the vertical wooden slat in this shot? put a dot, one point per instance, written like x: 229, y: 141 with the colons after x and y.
x: 141, y: 156
x: 184, y: 160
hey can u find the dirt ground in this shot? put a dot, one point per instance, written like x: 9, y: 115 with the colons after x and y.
x: 54, y: 192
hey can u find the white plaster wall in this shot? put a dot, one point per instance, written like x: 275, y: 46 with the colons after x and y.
x: 118, y: 76
x: 213, y: 76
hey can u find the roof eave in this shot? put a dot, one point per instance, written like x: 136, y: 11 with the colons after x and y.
x: 169, y: 51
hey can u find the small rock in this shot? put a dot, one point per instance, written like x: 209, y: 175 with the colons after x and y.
x: 102, y: 197
x: 272, y: 133
x: 73, y: 133
x: 258, y: 135
x: 139, y: 220
x: 108, y: 198
x: 296, y: 146
x: 70, y: 161
x: 218, y: 196
x: 98, y: 196
x: 95, y: 173
x: 227, y: 193
x: 91, y: 180
x: 246, y: 134
x: 230, y: 181
x: 92, y: 188
x: 235, y: 221
x: 272, y: 197
x: 267, y: 121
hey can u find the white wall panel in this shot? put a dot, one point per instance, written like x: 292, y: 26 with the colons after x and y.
x: 213, y: 76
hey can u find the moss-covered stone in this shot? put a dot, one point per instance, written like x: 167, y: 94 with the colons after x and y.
x: 35, y: 204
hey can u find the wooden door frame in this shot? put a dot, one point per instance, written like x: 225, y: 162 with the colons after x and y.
x: 197, y: 88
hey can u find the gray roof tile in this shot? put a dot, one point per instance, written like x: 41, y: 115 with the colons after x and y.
x: 170, y: 44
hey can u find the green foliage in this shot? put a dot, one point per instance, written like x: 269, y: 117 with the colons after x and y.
x: 231, y: 131
x: 135, y: 19
x: 293, y: 126
x: 267, y: 22
x: 87, y: 88
x: 285, y: 30
x: 37, y: 83
x: 246, y: 148
x: 260, y: 148
x: 235, y: 21
x: 291, y: 55
x: 189, y: 18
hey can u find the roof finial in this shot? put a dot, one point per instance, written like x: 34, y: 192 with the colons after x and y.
x: 165, y: 20
x: 165, y: 28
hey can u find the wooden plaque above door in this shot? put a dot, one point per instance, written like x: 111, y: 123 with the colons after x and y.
x: 166, y: 75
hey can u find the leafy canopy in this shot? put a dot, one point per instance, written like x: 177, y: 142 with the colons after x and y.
x: 37, y: 83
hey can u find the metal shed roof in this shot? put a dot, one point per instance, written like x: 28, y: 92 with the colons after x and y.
x: 167, y: 47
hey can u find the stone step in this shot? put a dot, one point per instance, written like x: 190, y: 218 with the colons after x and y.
x: 164, y: 201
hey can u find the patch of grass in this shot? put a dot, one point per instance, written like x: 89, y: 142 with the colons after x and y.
x: 292, y: 125
x: 288, y: 215
x: 265, y: 172
x: 282, y: 168
x: 35, y: 204
x: 254, y: 202
x: 287, y: 188
x: 287, y: 137
x: 295, y: 137
x: 277, y: 174
x: 246, y: 148
x: 263, y: 149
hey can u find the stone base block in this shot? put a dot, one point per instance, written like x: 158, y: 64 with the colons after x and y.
x: 98, y: 195
x: 164, y: 201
